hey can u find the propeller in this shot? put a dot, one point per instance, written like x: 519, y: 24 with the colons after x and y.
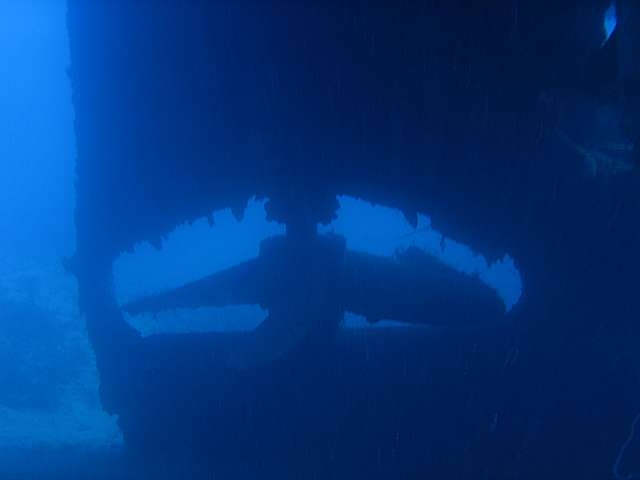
x: 294, y: 281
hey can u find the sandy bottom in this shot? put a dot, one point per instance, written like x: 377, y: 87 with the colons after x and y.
x: 75, y: 438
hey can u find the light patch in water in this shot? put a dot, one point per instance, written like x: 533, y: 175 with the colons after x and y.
x: 385, y: 231
x: 354, y: 322
x: 191, y: 252
x: 610, y: 22
x: 241, y: 318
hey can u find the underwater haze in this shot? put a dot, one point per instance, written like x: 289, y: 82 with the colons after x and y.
x: 37, y: 145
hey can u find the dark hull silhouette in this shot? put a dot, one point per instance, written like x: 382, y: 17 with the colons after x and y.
x: 450, y: 109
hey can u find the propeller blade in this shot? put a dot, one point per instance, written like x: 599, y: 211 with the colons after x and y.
x: 416, y: 288
x: 242, y: 284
